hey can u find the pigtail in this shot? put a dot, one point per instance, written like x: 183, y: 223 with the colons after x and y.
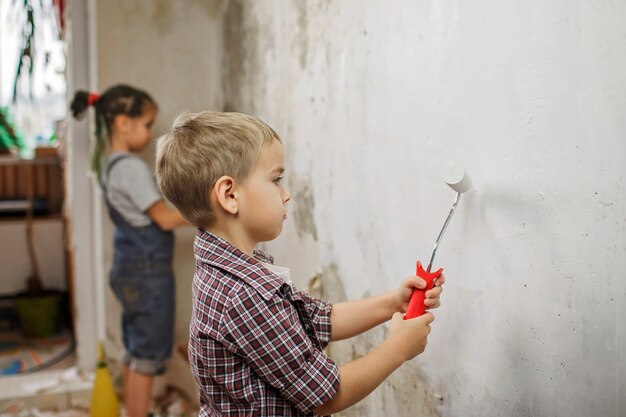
x: 99, y: 145
x: 80, y: 104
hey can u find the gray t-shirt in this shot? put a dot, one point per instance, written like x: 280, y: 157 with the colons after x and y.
x: 131, y: 189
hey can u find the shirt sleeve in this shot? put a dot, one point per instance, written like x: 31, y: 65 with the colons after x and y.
x: 269, y: 335
x: 319, y: 310
x: 133, y: 179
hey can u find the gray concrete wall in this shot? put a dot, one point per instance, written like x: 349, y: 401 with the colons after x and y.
x: 371, y: 98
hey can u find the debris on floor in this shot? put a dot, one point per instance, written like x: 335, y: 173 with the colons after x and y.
x: 173, y: 402
x: 18, y: 409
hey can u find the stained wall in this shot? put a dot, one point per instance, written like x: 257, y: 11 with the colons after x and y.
x: 371, y: 99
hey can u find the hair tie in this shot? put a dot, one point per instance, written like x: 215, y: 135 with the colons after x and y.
x: 92, y: 98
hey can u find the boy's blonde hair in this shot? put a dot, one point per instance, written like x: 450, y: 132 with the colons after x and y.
x: 199, y: 149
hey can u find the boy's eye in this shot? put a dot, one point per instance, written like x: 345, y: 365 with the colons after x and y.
x: 277, y: 180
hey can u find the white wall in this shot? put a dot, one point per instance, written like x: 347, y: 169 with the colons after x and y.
x: 371, y: 98
x: 16, y: 264
x: 173, y: 51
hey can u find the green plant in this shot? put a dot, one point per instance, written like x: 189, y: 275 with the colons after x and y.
x: 26, y: 52
x: 10, y: 136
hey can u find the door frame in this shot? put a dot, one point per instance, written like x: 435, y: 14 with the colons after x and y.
x: 83, y: 199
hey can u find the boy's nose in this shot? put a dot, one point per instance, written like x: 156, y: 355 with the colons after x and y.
x: 286, y: 197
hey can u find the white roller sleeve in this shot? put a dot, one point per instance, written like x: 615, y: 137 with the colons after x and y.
x: 456, y: 177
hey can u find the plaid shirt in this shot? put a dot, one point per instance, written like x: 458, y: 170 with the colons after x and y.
x: 256, y: 342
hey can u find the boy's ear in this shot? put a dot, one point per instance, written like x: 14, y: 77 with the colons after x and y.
x: 224, y: 193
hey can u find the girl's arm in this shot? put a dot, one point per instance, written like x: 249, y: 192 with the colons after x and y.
x: 166, y: 218
x: 352, y: 318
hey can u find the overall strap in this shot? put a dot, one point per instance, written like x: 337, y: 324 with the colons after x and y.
x: 109, y: 168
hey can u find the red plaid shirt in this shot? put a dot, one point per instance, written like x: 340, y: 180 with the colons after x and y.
x: 255, y: 342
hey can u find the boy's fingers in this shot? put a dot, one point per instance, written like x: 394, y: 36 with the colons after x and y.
x: 440, y: 280
x: 416, y: 282
x: 433, y: 303
x: 434, y: 293
x: 427, y: 318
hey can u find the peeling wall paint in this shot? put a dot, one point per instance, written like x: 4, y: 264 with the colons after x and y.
x: 303, y: 208
x: 370, y: 99
x: 239, y: 55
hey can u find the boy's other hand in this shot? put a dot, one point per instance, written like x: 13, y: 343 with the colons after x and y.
x: 409, y: 337
x: 406, y: 289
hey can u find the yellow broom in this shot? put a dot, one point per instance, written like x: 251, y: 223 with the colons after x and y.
x: 103, y: 399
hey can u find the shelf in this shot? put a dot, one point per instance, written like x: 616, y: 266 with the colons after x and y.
x: 36, y: 219
x: 30, y: 183
x: 14, y: 160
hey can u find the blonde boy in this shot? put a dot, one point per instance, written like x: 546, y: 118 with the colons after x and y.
x: 255, y: 340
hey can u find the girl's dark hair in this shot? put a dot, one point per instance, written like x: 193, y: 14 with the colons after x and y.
x: 118, y: 100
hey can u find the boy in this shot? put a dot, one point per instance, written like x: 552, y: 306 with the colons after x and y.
x: 256, y: 342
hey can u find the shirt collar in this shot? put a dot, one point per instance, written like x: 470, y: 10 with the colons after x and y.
x: 219, y: 253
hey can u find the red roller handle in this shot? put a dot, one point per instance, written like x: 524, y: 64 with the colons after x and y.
x: 416, y: 305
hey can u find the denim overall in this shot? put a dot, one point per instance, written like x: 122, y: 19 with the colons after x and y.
x: 142, y: 279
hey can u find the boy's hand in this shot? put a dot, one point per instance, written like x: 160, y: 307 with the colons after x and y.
x: 409, y: 337
x: 406, y: 289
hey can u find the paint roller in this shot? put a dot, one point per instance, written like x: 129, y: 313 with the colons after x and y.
x: 456, y: 177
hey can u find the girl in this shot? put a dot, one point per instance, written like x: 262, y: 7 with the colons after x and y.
x: 141, y: 276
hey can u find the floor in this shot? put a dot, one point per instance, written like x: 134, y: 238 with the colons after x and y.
x: 63, y: 391
x: 50, y: 390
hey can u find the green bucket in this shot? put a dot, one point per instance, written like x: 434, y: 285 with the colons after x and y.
x: 39, y: 315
